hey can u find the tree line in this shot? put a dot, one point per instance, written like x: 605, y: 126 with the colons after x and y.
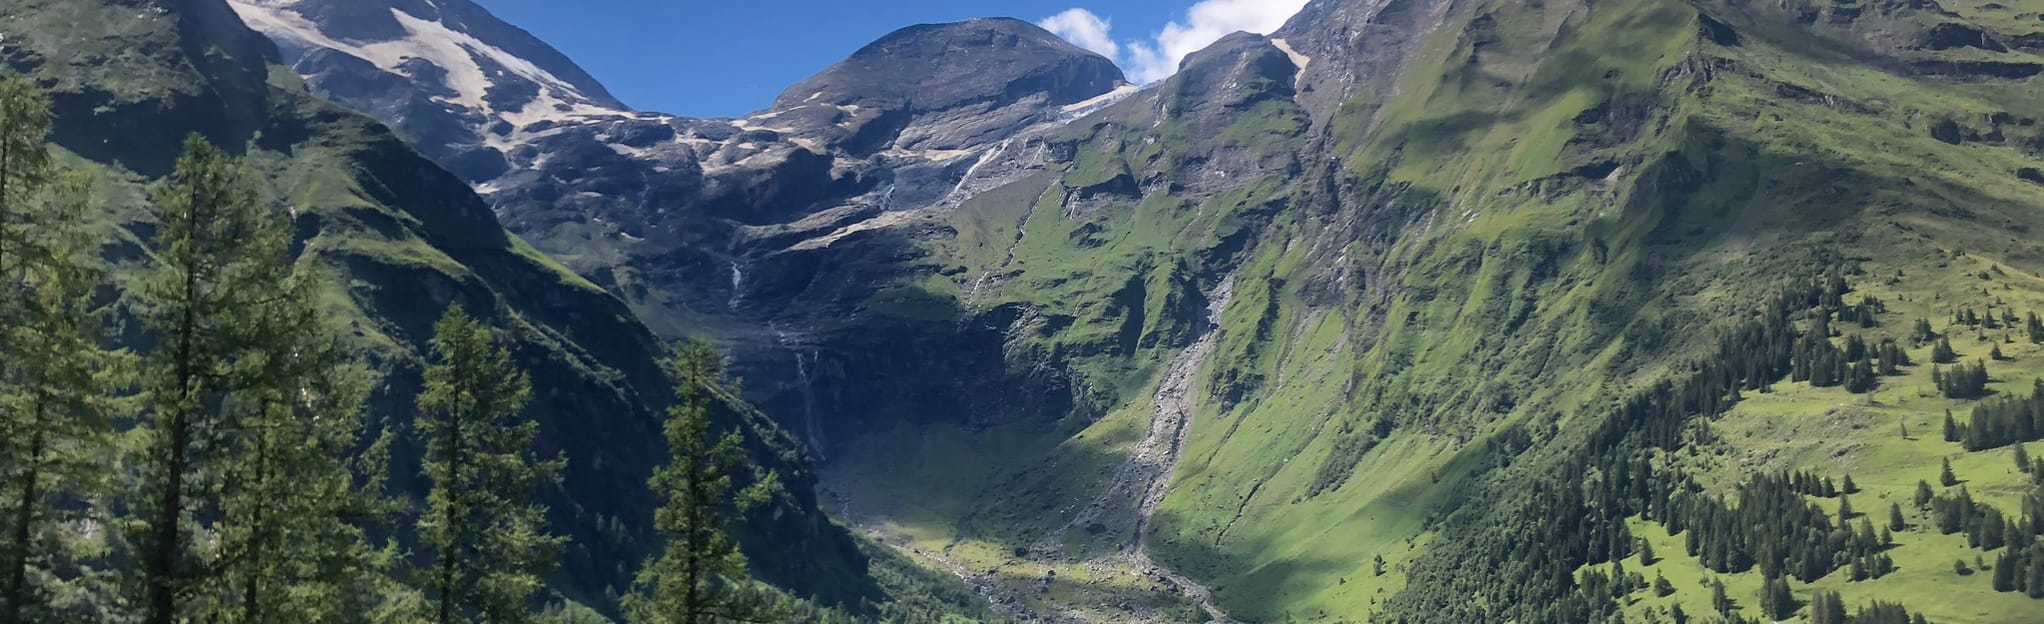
x: 1531, y: 547
x: 219, y: 468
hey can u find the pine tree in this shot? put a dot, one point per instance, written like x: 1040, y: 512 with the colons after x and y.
x: 1924, y: 494
x: 1942, y: 352
x: 2004, y: 574
x: 701, y: 576
x: 2035, y: 575
x: 1776, y: 599
x: 1844, y: 509
x: 2036, y: 326
x: 1662, y: 587
x: 1896, y: 522
x: 1951, y: 424
x: 1826, y: 607
x: 1718, y: 599
x: 2022, y: 457
x: 57, y: 380
x: 1945, y: 475
x: 289, y: 492
x: 221, y: 263
x: 1646, y: 553
x: 484, y: 539
x: 1861, y: 378
x: 1848, y: 486
x: 1922, y: 333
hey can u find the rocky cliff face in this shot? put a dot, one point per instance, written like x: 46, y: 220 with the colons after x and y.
x: 769, y: 232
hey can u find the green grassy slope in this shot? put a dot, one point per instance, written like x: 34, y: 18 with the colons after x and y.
x: 1744, y: 154
x: 1558, y: 203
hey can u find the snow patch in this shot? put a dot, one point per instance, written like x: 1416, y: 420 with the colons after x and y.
x: 1298, y: 60
x: 933, y: 155
x: 453, y: 52
x: 882, y: 221
x: 1076, y: 110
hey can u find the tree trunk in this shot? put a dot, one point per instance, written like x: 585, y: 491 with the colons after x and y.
x: 251, y: 602
x: 164, y: 549
x: 24, y: 516
x: 163, y: 553
x: 694, y: 573
x: 449, y: 516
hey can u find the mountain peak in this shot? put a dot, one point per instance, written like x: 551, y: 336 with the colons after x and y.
x: 945, y: 86
x: 931, y: 67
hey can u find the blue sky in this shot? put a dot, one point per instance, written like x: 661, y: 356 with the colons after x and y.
x: 723, y: 59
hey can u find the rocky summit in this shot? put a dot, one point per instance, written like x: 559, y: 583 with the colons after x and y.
x: 1406, y: 311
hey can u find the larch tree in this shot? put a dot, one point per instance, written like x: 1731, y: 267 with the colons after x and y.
x: 700, y: 577
x: 221, y: 260
x: 55, y: 379
x: 251, y: 508
x: 294, y: 512
x: 483, y: 535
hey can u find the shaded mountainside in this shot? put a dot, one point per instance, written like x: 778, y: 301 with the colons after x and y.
x: 1445, y: 244
x: 131, y: 79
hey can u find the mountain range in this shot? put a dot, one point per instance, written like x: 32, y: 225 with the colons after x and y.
x: 1409, y: 311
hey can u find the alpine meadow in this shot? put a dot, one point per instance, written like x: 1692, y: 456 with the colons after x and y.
x: 1404, y: 311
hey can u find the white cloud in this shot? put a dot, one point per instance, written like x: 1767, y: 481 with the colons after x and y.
x: 1157, y: 58
x: 1084, y: 29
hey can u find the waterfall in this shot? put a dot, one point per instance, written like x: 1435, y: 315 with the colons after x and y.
x: 984, y: 158
x: 813, y: 427
x: 737, y: 285
x: 805, y: 361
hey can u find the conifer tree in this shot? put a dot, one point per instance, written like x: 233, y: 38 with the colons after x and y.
x: 1718, y: 600
x: 1777, y: 600
x: 2036, y: 327
x: 1826, y: 607
x: 700, y: 577
x: 484, y: 538
x: 1646, y: 553
x: 55, y: 380
x: 289, y: 490
x: 2035, y: 575
x: 1896, y: 522
x: 1924, y: 494
x: 1945, y: 475
x: 221, y: 263
x: 1922, y: 333
x: 1942, y: 352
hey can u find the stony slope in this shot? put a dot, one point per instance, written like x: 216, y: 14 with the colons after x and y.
x: 131, y: 79
x: 1454, y: 236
